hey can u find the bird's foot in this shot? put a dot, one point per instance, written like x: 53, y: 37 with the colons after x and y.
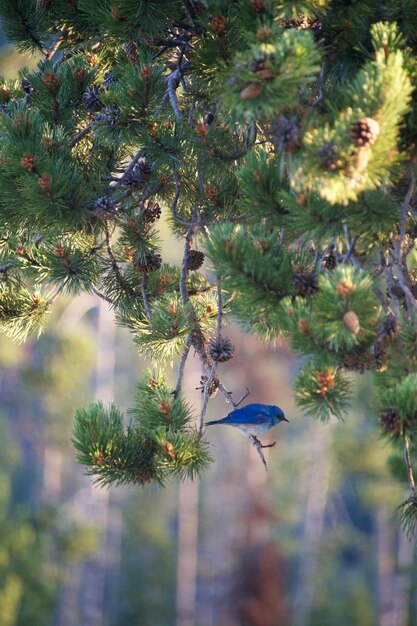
x: 259, y: 444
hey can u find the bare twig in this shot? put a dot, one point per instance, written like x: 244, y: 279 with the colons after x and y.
x: 404, y: 210
x: 408, y: 464
x: 229, y: 396
x: 173, y: 82
x: 101, y: 295
x: 119, y: 276
x: 56, y: 44
x: 181, y: 366
x: 206, y: 396
x: 6, y: 266
x: 219, y: 307
x: 320, y: 83
x: 145, y: 299
x: 258, y: 445
x: 184, y: 268
x: 192, y: 14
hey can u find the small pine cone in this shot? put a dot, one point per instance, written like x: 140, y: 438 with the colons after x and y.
x: 131, y: 52
x: 195, y: 260
x: 109, y: 115
x: 361, y: 362
x: 43, y: 5
x: 138, y: 177
x: 152, y: 212
x: 5, y: 94
x: 326, y: 380
x: 51, y: 81
x: 210, y: 192
x: 364, y: 132
x: 305, y: 283
x: 99, y: 457
x: 391, y: 422
x: 212, y: 388
x: 90, y: 98
x: 330, y: 261
x: 105, y: 209
x: 285, y: 134
x: 251, y: 91
x: 5, y: 108
x: 257, y: 5
x: 345, y: 287
x: 149, y: 262
x: 28, y: 162
x: 329, y: 157
x: 47, y: 142
x: 92, y: 59
x: 45, y: 182
x: 219, y: 24
x: 220, y: 349
x: 145, y: 476
x: 109, y: 80
x: 264, y: 34
x: 27, y: 87
x: 351, y: 321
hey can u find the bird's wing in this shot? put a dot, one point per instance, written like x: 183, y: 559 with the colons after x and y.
x: 250, y: 414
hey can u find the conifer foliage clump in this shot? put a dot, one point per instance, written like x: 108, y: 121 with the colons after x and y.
x: 278, y: 139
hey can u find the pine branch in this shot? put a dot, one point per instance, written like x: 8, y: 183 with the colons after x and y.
x: 79, y: 136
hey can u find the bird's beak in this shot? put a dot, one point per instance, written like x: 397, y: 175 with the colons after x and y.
x: 285, y: 419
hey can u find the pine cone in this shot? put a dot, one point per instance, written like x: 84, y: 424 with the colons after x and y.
x: 28, y: 162
x: 5, y: 108
x: 152, y: 212
x: 391, y: 422
x: 105, y: 209
x: 328, y: 156
x: 109, y: 115
x: 362, y: 362
x: 149, y: 262
x: 330, y: 262
x: 305, y: 283
x: 109, y: 79
x: 90, y: 98
x: 220, y: 349
x: 27, y: 87
x: 351, y: 321
x: 326, y: 380
x: 131, y: 52
x: 257, y: 5
x: 213, y: 386
x: 285, y: 133
x: 42, y: 5
x: 364, y: 132
x: 138, y: 177
x: 251, y: 91
x: 195, y: 260
x: 219, y: 24
x: 210, y: 192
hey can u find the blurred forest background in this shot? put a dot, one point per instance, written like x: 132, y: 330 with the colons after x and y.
x: 314, y: 542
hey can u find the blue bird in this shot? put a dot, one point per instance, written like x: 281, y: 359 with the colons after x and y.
x: 253, y: 420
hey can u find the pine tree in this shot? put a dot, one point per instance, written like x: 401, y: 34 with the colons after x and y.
x: 280, y: 140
